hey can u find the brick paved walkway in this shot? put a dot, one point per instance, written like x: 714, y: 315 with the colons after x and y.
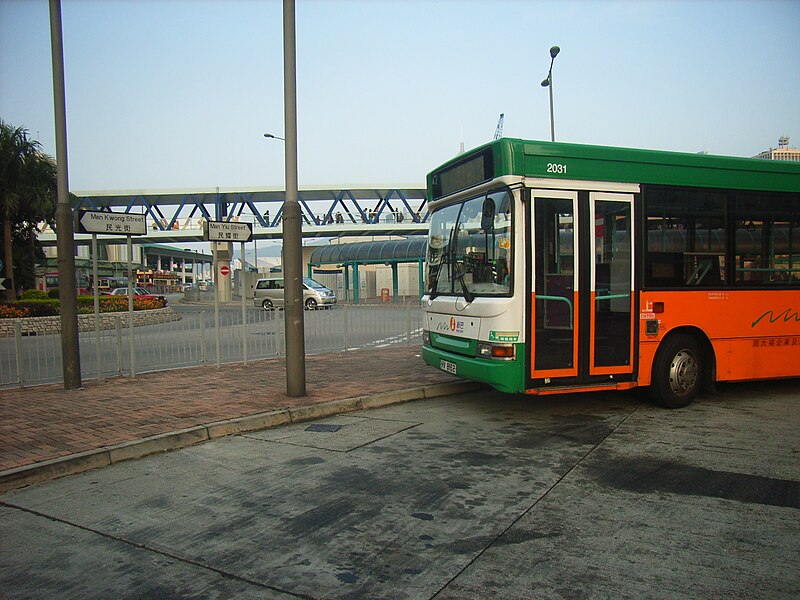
x: 47, y: 422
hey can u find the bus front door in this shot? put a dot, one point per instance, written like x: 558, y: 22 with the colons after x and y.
x: 582, y: 294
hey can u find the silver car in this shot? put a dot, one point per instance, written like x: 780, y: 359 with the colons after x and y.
x: 268, y: 294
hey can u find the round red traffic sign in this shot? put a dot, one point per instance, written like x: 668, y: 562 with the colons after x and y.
x: 225, y: 270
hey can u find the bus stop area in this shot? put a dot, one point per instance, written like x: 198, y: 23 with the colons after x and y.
x: 450, y: 493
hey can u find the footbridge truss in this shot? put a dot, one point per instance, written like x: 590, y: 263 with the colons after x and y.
x: 177, y: 216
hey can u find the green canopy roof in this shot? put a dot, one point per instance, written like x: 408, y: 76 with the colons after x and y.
x: 407, y: 250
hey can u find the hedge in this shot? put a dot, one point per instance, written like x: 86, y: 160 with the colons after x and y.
x: 50, y: 308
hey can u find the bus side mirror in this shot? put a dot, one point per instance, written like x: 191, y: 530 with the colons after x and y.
x: 487, y: 214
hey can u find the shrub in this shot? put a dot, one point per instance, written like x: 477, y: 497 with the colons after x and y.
x: 39, y: 308
x: 34, y: 295
x: 53, y: 293
x: 147, y: 303
x: 45, y: 307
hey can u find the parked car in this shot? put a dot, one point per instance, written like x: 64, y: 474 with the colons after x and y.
x: 268, y: 294
x: 138, y: 293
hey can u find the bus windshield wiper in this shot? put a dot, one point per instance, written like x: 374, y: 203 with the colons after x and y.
x: 468, y: 295
x: 434, y: 291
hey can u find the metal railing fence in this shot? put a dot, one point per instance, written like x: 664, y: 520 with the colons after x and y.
x: 195, y: 340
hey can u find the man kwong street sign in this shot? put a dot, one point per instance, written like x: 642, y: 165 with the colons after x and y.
x: 228, y: 231
x: 95, y: 221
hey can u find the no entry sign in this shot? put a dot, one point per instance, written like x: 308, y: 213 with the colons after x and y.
x: 225, y: 270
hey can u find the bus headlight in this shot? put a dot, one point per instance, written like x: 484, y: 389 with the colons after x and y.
x: 496, y: 351
x: 426, y: 337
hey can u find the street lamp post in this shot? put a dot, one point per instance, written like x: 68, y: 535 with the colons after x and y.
x: 67, y: 292
x: 292, y: 232
x: 548, y: 83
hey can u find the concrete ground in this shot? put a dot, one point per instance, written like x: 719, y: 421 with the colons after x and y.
x: 473, y: 495
x: 48, y: 432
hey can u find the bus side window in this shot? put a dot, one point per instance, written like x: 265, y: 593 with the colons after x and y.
x: 703, y: 271
x: 665, y: 269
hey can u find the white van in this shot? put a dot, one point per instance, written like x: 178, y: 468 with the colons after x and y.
x: 268, y: 294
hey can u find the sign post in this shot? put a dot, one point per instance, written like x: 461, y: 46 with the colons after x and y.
x: 227, y: 231
x: 216, y: 304
x: 127, y: 224
x: 244, y: 305
x: 96, y: 294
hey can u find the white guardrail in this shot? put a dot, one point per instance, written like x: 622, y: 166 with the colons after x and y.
x: 194, y: 340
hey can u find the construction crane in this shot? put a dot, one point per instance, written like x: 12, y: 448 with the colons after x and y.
x: 498, y: 133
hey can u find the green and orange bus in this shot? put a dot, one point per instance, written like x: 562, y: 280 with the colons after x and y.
x: 555, y: 267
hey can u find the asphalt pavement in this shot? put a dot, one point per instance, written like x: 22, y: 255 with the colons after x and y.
x: 472, y: 495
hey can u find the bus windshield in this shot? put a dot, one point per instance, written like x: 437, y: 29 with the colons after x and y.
x: 469, y: 247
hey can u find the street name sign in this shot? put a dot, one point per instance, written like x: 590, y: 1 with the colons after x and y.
x: 96, y: 221
x: 228, y: 231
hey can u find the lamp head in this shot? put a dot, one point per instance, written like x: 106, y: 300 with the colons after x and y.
x: 546, y: 81
x: 554, y: 51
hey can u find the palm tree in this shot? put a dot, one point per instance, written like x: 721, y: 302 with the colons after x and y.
x: 27, y: 191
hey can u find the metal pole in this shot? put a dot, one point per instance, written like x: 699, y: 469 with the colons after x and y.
x: 119, y: 343
x: 292, y: 232
x: 96, y: 292
x: 203, y: 338
x: 67, y: 292
x: 552, y: 120
x: 344, y: 326
x: 131, y: 344
x: 244, y: 307
x: 217, y: 333
x: 255, y: 252
x: 18, y: 349
x: 548, y: 82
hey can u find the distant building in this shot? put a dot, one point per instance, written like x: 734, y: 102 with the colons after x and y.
x: 782, y: 152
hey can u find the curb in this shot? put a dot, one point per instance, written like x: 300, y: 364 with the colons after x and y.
x: 73, y: 464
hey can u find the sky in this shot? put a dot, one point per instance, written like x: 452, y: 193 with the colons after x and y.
x: 177, y: 94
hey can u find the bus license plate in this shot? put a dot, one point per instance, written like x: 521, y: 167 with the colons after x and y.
x: 446, y: 365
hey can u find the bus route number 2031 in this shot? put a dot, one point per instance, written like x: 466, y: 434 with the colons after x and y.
x: 558, y: 168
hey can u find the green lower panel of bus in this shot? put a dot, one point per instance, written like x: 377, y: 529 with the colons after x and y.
x: 505, y: 375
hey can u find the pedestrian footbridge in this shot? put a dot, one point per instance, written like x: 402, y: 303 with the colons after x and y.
x: 177, y: 216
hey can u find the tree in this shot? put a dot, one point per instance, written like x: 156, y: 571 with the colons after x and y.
x: 27, y: 198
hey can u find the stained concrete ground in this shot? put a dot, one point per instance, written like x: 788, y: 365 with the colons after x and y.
x: 472, y: 495
x: 47, y: 431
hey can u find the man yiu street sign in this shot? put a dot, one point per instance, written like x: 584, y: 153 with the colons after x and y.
x: 228, y: 231
x: 95, y: 221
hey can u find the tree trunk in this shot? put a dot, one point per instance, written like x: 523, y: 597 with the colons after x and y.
x: 8, y: 253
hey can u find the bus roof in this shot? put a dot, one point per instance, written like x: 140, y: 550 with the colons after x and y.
x: 558, y: 160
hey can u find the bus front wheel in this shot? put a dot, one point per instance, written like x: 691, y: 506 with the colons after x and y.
x: 677, y: 372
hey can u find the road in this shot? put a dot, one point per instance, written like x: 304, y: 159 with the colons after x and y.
x: 476, y: 496
x: 195, y: 340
